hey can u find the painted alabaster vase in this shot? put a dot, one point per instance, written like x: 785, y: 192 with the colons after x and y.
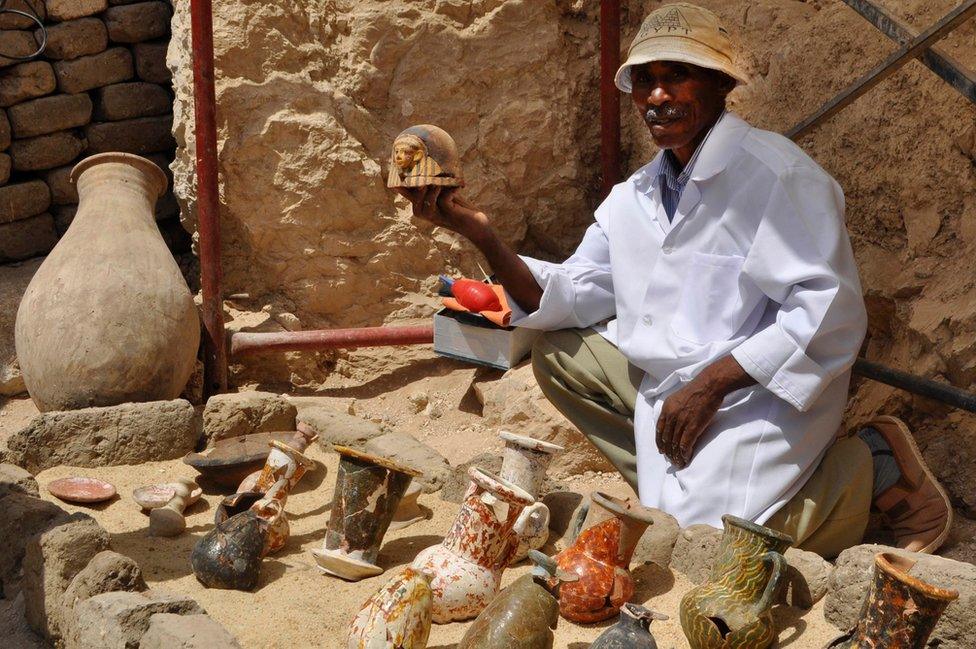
x: 601, y: 557
x: 524, y: 463
x: 900, y: 611
x: 107, y: 317
x: 284, y: 460
x: 525, y: 614
x: 632, y: 630
x: 367, y: 492
x: 397, y: 615
x: 469, y: 562
x: 731, y: 609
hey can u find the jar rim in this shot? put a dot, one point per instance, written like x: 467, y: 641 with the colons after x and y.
x: 150, y: 168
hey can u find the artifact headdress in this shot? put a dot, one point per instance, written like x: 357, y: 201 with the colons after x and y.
x: 425, y: 155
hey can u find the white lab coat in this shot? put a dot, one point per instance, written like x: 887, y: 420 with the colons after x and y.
x: 756, y: 263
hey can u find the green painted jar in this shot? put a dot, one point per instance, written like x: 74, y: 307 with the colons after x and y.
x: 731, y: 609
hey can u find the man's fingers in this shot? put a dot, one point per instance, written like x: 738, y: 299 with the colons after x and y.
x: 662, y: 422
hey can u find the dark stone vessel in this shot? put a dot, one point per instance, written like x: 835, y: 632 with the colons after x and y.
x: 632, y: 630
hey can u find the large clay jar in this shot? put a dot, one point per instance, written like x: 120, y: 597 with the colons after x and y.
x: 900, y: 610
x: 397, y: 615
x: 731, y: 609
x: 468, y: 564
x: 601, y: 557
x: 632, y: 630
x: 108, y: 318
x: 524, y: 463
x: 368, y: 490
x: 525, y: 614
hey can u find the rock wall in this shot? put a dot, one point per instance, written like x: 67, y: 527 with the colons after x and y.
x: 310, y: 98
x: 99, y: 84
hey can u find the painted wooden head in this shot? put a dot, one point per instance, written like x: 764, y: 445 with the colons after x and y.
x: 425, y: 155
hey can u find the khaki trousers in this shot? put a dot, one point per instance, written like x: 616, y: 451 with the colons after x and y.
x: 591, y: 382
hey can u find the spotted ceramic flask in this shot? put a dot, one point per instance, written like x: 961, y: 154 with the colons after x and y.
x: 396, y: 616
x: 731, y: 610
x: 900, y: 611
x: 469, y: 562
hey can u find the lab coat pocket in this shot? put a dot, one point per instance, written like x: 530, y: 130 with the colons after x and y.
x: 710, y: 296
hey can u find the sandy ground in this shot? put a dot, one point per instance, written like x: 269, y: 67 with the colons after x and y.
x: 294, y: 604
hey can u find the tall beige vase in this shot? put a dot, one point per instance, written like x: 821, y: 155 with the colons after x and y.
x: 108, y: 317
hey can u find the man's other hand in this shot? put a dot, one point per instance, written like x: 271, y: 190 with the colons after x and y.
x: 689, y: 411
x: 685, y: 416
x: 446, y: 208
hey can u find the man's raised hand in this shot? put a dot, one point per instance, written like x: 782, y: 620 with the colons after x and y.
x: 446, y: 208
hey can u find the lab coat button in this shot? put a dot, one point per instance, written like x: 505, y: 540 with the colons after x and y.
x: 667, y: 250
x: 647, y: 319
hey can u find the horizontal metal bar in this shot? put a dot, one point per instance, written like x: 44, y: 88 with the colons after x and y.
x: 886, y: 68
x: 942, y: 392
x: 949, y: 69
x: 247, y: 343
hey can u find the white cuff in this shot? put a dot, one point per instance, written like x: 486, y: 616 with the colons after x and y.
x: 779, y: 365
x: 558, y: 298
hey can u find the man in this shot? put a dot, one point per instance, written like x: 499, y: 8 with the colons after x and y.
x: 702, y: 334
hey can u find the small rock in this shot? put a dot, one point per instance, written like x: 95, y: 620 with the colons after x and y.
x: 26, y: 81
x: 414, y: 454
x: 657, y: 542
x: 854, y: 569
x: 289, y: 321
x: 14, y: 478
x: 142, y: 135
x: 107, y: 572
x: 74, y: 38
x: 244, y: 413
x: 805, y: 582
x: 51, y: 561
x: 94, y: 71
x: 695, y: 550
x: 138, y: 22
x: 169, y: 631
x: 418, y: 401
x: 434, y: 410
x: 23, y: 200
x: 59, y: 10
x: 335, y: 427
x: 119, y: 620
x: 130, y: 433
x: 22, y: 516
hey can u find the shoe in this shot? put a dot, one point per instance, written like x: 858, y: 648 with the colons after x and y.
x: 917, y: 507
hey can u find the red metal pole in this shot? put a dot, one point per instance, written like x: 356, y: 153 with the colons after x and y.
x: 609, y: 95
x: 246, y: 343
x: 208, y: 208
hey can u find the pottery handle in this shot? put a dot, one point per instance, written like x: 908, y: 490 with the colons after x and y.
x: 778, y: 562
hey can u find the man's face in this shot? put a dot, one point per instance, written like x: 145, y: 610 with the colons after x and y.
x: 677, y: 100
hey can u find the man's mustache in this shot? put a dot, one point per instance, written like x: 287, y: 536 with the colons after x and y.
x: 665, y: 113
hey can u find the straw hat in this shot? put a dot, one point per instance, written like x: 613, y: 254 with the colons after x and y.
x: 686, y: 33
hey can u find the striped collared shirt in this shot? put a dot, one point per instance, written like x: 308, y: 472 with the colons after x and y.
x: 673, y: 181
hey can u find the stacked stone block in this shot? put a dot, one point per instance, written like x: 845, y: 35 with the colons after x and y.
x: 100, y: 84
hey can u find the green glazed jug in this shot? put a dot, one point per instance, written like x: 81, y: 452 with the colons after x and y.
x: 731, y: 609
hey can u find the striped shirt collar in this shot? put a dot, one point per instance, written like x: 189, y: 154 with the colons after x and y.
x: 668, y: 170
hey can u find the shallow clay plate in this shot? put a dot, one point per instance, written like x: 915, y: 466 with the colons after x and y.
x: 78, y: 489
x: 156, y: 495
